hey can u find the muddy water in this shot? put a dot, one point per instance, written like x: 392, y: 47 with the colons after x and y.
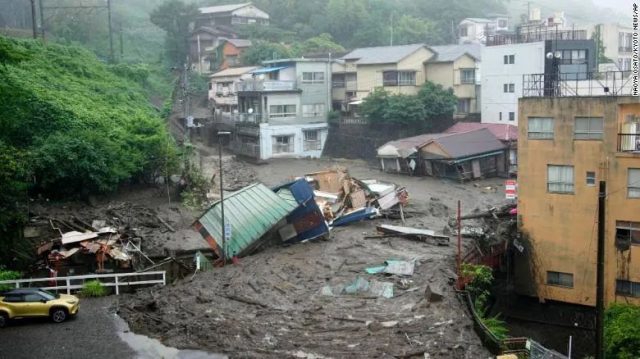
x: 148, y: 348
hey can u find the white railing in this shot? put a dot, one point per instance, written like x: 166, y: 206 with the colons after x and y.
x: 116, y: 282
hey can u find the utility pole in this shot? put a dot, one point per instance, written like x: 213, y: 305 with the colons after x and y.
x: 41, y: 19
x: 121, y: 43
x: 600, y: 277
x: 113, y: 58
x: 391, y: 39
x: 34, y: 23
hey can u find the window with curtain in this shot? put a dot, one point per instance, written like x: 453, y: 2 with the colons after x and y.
x: 633, y: 183
x: 588, y: 128
x: 276, y: 111
x: 467, y: 76
x: 559, y: 278
x: 540, y: 128
x: 313, y: 110
x: 560, y: 179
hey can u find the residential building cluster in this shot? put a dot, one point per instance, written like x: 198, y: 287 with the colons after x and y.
x: 535, y: 100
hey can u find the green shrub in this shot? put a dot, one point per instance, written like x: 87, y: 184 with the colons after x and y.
x: 496, y: 326
x: 622, y: 332
x: 93, y: 288
x: 8, y: 275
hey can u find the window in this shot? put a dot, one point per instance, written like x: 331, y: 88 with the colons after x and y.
x: 499, y: 116
x: 509, y: 59
x: 337, y: 80
x: 502, y: 23
x: 467, y: 76
x: 282, y: 144
x: 633, y: 183
x: 464, y: 105
x: 312, y: 77
x: 627, y: 288
x: 591, y: 178
x: 463, y: 31
x: 13, y: 298
x: 628, y: 232
x: 568, y: 57
x: 559, y: 278
x: 540, y: 128
x: 398, y: 78
x: 311, y: 141
x: 314, y: 110
x: 588, y: 128
x: 559, y: 179
x: 509, y: 88
x: 278, y: 111
x: 512, y: 116
x: 32, y: 297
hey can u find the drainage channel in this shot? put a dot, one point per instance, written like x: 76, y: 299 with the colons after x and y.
x: 149, y: 348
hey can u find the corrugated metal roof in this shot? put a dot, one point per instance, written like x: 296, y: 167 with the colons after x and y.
x: 502, y: 131
x: 222, y: 8
x: 404, y: 147
x: 448, y: 53
x: 240, y: 42
x: 382, y: 54
x: 234, y: 71
x: 251, y: 212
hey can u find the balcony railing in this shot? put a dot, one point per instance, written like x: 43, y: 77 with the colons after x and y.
x: 611, y: 83
x: 246, y: 117
x: 535, y: 35
x: 266, y: 85
x: 629, y: 142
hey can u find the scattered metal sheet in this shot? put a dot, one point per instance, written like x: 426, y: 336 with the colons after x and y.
x: 356, y: 216
x: 400, y: 267
x: 68, y: 253
x: 119, y: 255
x: 381, y: 289
x: 74, y: 237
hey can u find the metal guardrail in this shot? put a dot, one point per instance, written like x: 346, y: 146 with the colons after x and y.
x: 69, y: 284
x: 535, y: 35
x: 629, y: 142
x: 610, y: 83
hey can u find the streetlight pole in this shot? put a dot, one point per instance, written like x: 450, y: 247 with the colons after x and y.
x: 224, y: 229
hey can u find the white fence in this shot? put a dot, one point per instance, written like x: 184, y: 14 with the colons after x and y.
x: 116, y: 280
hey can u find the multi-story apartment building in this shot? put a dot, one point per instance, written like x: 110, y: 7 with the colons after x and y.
x: 215, y: 24
x: 404, y: 69
x: 476, y: 30
x: 223, y: 88
x: 507, y: 58
x: 282, y: 110
x: 567, y: 145
x: 617, y: 42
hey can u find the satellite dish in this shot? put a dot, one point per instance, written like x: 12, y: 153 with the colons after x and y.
x: 250, y: 110
x: 549, y: 55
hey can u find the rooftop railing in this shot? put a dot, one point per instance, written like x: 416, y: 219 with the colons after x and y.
x: 611, y: 83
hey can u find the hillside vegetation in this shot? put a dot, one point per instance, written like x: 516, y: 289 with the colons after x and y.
x: 72, y: 126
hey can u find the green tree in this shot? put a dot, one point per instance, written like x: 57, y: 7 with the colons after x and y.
x: 174, y: 17
x: 373, y: 107
x: 404, y: 110
x: 321, y: 44
x: 622, y: 332
x: 412, y: 30
x: 263, y: 51
x: 438, y: 102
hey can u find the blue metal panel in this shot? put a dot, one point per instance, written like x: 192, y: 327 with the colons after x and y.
x: 307, y: 219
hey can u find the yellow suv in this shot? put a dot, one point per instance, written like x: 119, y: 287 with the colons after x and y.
x: 34, y: 302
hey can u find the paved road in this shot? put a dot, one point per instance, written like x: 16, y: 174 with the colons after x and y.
x: 91, y: 334
x: 95, y: 333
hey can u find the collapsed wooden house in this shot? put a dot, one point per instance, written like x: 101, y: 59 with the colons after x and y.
x: 460, y: 156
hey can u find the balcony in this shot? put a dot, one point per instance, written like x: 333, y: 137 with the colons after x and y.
x: 629, y: 142
x: 266, y: 85
x: 535, y: 35
x: 611, y: 83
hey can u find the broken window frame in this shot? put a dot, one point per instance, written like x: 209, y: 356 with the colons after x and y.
x: 563, y: 181
x: 560, y: 279
x: 311, y: 142
x: 627, y: 288
x: 628, y: 232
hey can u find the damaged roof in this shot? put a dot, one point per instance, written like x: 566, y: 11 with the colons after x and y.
x: 502, y: 131
x: 405, y: 147
x: 467, y: 144
x: 251, y: 212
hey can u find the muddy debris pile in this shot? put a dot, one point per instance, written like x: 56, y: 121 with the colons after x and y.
x: 236, y: 174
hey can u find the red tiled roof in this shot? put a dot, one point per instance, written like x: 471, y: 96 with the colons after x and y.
x: 503, y: 132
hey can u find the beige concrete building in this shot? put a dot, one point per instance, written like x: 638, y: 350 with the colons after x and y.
x: 566, y: 146
x: 404, y: 69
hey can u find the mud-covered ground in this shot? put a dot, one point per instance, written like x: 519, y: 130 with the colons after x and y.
x: 272, y: 305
